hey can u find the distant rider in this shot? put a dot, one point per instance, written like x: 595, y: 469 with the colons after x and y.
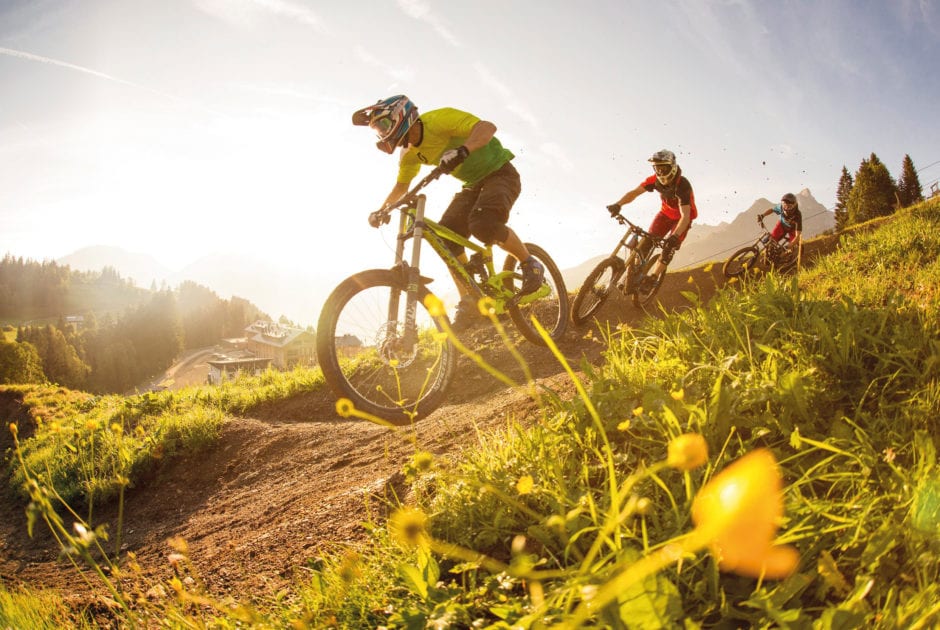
x: 791, y: 220
x: 466, y: 147
x: 678, y: 206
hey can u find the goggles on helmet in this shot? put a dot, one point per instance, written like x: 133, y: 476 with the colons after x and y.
x: 663, y: 170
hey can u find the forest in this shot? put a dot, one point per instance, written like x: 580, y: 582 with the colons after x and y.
x: 97, y: 332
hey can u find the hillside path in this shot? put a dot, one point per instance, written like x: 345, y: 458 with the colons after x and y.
x: 291, y: 482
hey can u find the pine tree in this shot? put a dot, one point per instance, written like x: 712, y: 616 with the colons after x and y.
x: 20, y: 363
x: 909, y: 189
x: 874, y: 193
x: 842, y: 199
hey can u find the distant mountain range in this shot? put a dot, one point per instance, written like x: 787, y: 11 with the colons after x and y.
x: 717, y: 242
x: 298, y: 294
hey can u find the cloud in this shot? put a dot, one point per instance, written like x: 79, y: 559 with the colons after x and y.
x: 421, y: 11
x: 400, y: 74
x: 920, y: 12
x: 71, y: 66
x: 243, y: 12
x: 512, y: 103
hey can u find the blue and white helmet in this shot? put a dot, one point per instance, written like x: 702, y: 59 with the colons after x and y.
x: 391, y: 119
x: 664, y: 164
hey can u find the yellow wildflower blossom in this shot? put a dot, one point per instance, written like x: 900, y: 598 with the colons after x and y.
x: 738, y: 511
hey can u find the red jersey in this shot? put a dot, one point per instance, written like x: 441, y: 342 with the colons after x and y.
x: 679, y: 192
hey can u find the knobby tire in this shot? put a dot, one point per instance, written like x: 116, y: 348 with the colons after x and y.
x: 380, y: 376
x: 740, y: 262
x: 596, y: 288
x: 551, y: 310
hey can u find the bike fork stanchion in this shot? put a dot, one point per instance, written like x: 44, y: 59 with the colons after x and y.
x: 414, y: 275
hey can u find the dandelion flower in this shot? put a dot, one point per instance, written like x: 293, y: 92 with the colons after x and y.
x: 423, y: 461
x: 525, y: 484
x: 688, y: 451
x: 486, y: 306
x: 344, y: 407
x: 409, y: 527
x: 434, y: 305
x: 738, y: 512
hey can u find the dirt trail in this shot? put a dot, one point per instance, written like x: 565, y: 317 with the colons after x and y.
x: 284, y: 485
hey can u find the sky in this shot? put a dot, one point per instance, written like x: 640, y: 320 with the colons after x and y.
x: 187, y: 128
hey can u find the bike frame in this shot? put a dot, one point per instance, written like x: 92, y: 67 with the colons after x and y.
x: 631, y: 242
x: 413, y: 224
x: 767, y: 246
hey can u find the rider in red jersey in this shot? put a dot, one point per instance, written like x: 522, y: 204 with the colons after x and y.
x: 678, y: 205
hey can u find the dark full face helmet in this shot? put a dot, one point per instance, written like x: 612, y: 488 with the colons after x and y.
x: 789, y: 204
x: 391, y: 119
x: 664, y: 165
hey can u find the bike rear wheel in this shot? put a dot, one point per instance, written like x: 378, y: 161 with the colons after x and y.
x: 551, y: 310
x: 648, y: 285
x: 366, y: 355
x: 596, y: 288
x: 740, y: 262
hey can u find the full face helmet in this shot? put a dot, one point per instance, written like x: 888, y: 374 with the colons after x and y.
x: 789, y: 204
x: 664, y: 164
x: 390, y: 118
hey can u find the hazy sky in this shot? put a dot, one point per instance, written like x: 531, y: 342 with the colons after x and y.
x: 182, y: 128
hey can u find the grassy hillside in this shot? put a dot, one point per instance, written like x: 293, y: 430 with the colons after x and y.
x: 608, y: 512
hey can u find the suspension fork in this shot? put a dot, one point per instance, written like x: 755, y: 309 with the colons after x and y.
x: 629, y: 243
x: 412, y: 273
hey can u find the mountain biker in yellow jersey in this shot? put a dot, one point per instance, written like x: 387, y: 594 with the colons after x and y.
x: 466, y: 147
x: 791, y: 220
x: 678, y: 206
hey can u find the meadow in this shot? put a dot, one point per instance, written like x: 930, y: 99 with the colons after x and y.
x: 765, y: 459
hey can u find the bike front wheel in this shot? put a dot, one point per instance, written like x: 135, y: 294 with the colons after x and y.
x: 741, y: 262
x: 596, y: 288
x: 368, y: 357
x: 551, y: 310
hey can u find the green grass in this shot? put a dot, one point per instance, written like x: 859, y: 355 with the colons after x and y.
x: 88, y: 448
x: 837, y: 375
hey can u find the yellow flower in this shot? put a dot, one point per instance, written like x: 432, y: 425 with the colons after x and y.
x: 422, y: 461
x: 408, y: 526
x: 344, y: 407
x: 624, y: 425
x: 525, y: 484
x: 688, y: 451
x: 434, y: 305
x: 691, y: 280
x: 486, y: 306
x: 738, y: 513
x: 638, y: 411
x: 679, y: 394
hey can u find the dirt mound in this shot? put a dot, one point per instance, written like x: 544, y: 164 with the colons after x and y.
x: 285, y: 484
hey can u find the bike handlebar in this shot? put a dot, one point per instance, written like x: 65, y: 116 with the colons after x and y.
x: 622, y: 220
x: 382, y: 215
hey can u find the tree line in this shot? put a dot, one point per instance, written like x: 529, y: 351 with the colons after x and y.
x: 126, y: 335
x: 872, y: 192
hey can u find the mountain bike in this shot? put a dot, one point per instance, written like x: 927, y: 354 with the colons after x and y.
x: 766, y: 254
x: 381, y: 343
x: 625, y: 270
